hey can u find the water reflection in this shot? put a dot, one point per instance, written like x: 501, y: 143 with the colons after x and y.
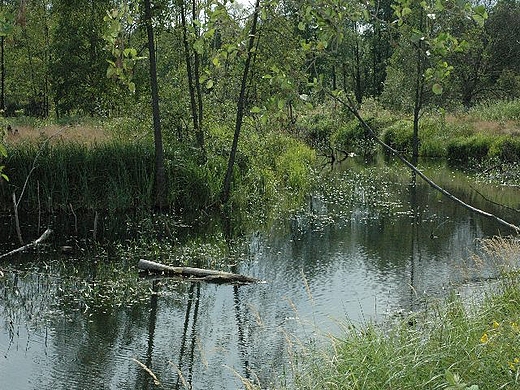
x: 361, y: 249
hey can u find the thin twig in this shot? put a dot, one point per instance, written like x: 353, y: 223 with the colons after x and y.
x: 150, y: 372
x: 493, y: 202
x: 75, y: 219
x: 94, y: 232
x: 17, y: 220
x: 39, y: 206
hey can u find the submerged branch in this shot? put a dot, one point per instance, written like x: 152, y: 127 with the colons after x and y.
x: 351, y: 107
x: 35, y: 243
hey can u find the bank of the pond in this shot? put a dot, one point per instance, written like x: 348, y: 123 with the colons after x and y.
x: 108, y: 167
x: 465, y: 342
x: 486, y: 136
x: 49, y: 174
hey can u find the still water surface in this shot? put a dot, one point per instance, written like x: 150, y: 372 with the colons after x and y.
x: 366, y: 246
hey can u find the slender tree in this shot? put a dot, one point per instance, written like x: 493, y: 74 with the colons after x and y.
x: 6, y: 28
x: 241, y: 103
x: 161, y: 180
x: 187, y: 51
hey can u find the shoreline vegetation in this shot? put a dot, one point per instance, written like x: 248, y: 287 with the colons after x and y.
x: 462, y: 343
x: 108, y: 165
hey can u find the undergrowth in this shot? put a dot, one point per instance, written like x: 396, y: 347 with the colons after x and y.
x: 117, y: 174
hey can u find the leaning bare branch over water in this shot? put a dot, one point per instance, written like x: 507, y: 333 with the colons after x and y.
x: 207, y: 275
x: 350, y: 106
x: 32, y: 244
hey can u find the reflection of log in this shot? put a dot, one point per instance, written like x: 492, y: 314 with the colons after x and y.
x: 208, y: 275
x: 350, y: 106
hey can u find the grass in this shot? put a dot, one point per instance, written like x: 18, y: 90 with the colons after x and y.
x: 490, y: 132
x: 109, y: 166
x: 455, y: 344
x: 498, y: 111
x: 109, y: 176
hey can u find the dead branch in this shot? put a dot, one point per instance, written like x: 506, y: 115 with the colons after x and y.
x: 35, y: 243
x: 195, y: 274
x: 493, y: 202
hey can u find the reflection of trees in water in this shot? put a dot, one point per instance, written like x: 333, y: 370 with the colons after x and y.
x: 383, y: 237
x: 189, y: 334
x: 26, y: 304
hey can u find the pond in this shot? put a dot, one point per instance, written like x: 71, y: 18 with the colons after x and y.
x: 366, y: 246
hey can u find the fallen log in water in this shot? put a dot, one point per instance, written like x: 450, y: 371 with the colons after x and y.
x: 207, y: 275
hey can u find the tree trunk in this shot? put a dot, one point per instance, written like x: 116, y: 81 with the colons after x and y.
x: 161, y: 180
x: 357, y: 73
x: 419, y: 90
x: 2, y: 76
x: 196, y: 79
x: 189, y: 70
x: 226, y: 187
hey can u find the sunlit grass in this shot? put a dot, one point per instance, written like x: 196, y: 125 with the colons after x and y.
x: 499, y: 110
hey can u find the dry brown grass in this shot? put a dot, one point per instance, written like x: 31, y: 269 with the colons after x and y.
x: 83, y: 134
x: 509, y: 127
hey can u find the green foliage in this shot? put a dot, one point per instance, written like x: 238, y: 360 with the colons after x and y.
x: 480, y: 147
x: 437, y: 133
x: 78, y: 68
x: 3, y: 153
x: 464, y: 150
x: 454, y: 382
x: 193, y: 186
x: 6, y: 22
x: 317, y: 128
x: 353, y: 138
x: 497, y: 110
x: 293, y: 165
x: 272, y: 168
x: 123, y: 61
x: 399, y: 136
x: 503, y: 24
x: 111, y: 177
x: 398, y: 85
x: 506, y: 149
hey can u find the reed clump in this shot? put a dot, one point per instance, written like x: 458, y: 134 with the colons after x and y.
x: 455, y: 344
x: 61, y: 171
x: 109, y: 176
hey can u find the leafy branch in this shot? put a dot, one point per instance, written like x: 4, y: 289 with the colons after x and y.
x: 122, y: 63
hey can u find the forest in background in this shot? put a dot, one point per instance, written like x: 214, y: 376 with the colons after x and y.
x: 275, y: 66
x: 55, y: 53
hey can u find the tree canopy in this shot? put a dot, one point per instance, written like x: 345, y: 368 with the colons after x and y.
x: 55, y: 54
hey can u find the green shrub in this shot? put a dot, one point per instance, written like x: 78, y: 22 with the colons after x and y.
x: 271, y: 166
x: 352, y: 137
x: 316, y: 129
x: 462, y: 150
x: 399, y: 136
x: 506, y: 149
x: 435, y: 134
